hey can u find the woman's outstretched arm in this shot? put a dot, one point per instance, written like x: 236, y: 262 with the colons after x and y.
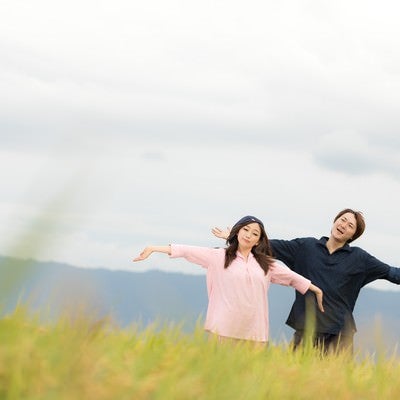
x: 153, y: 249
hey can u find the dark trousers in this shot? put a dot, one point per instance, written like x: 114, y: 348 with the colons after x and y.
x: 327, y: 342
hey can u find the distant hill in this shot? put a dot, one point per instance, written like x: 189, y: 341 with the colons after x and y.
x: 155, y: 296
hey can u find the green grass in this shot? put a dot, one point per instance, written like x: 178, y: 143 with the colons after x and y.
x: 81, y: 358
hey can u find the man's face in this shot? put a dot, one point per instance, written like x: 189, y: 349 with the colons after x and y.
x: 344, y: 227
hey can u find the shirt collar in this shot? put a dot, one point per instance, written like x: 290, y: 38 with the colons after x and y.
x: 239, y: 254
x: 324, y: 239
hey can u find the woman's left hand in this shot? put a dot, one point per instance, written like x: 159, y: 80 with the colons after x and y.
x: 319, y: 295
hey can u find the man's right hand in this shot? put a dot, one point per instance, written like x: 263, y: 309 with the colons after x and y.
x: 222, y: 234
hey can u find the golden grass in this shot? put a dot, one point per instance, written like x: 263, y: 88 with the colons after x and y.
x: 81, y: 358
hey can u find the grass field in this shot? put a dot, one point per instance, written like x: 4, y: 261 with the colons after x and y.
x: 80, y: 358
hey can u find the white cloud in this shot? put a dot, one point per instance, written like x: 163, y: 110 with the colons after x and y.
x: 351, y: 152
x: 155, y: 121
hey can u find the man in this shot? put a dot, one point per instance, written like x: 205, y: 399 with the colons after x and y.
x: 339, y: 270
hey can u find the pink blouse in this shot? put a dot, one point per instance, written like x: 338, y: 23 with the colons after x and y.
x: 237, y: 295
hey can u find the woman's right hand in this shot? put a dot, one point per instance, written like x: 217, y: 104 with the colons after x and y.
x: 144, y: 254
x: 153, y: 249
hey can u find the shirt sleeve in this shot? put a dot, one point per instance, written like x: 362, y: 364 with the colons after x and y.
x: 376, y: 269
x: 285, y: 250
x: 202, y: 256
x: 282, y: 275
x: 394, y: 275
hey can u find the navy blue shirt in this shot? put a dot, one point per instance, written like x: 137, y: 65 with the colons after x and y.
x: 340, y: 275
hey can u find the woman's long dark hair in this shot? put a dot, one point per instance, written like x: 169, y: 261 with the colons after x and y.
x: 262, y: 251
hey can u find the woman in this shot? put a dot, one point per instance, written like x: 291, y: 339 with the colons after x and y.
x: 238, y: 278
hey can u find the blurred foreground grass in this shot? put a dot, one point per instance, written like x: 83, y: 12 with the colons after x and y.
x: 81, y: 358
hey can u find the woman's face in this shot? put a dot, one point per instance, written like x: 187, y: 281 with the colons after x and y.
x: 249, y: 235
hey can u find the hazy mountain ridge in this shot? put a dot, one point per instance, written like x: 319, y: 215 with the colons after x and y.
x: 145, y: 297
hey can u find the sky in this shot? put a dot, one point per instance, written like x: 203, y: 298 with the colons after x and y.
x: 130, y: 123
